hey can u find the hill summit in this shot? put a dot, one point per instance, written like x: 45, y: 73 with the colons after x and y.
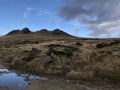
x: 42, y: 31
x: 43, y: 34
x: 23, y: 31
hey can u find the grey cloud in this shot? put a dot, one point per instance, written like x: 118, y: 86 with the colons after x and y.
x: 105, y: 28
x: 93, y: 13
x: 102, y: 9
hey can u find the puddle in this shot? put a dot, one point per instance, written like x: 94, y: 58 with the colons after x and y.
x: 18, y: 81
x: 14, y: 80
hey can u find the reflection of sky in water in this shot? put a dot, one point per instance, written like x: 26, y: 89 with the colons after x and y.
x: 14, y: 81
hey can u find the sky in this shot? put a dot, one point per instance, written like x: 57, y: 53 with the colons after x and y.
x: 83, y: 18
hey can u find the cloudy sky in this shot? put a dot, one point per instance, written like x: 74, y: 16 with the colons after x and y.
x: 84, y: 18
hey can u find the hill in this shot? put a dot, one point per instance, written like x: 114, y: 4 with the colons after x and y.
x: 25, y: 35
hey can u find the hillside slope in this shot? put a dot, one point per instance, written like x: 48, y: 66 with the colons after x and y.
x: 44, y: 34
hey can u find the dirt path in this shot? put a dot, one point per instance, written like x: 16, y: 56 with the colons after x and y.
x: 52, y: 85
x: 62, y: 85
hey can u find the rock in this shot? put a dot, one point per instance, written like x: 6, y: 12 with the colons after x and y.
x: 43, y: 30
x: 25, y: 31
x: 58, y: 31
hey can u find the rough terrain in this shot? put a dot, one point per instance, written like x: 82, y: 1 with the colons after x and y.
x: 56, y: 53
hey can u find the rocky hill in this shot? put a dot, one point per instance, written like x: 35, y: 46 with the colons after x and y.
x: 42, y: 31
x: 23, y: 31
x: 25, y: 35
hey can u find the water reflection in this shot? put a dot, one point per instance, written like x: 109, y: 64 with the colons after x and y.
x: 13, y: 80
x: 4, y: 71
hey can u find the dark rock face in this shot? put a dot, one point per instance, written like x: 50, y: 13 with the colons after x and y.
x: 43, y: 30
x: 58, y: 31
x: 25, y: 31
x: 14, y: 32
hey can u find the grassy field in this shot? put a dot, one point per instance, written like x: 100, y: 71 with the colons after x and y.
x: 62, y: 56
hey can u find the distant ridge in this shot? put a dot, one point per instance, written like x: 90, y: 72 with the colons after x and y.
x: 42, y: 31
x: 26, y: 34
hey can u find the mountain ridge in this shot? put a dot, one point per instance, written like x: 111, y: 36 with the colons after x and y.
x: 26, y: 34
x: 28, y: 31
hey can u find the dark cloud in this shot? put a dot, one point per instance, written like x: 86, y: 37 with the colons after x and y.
x: 102, y: 17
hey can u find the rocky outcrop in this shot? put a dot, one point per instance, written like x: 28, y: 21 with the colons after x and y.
x: 25, y: 31
x: 58, y: 31
x: 43, y: 30
x: 54, y: 32
x: 22, y: 35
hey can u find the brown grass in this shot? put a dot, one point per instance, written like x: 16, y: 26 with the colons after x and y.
x: 64, y: 57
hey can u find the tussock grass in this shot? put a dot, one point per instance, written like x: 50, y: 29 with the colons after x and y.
x: 83, y: 61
